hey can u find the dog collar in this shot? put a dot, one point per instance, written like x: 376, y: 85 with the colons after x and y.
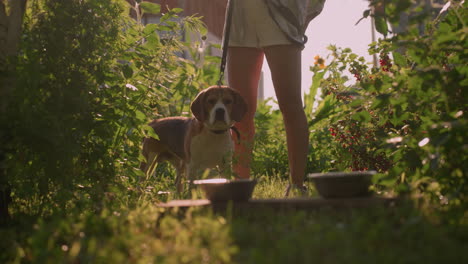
x: 221, y: 131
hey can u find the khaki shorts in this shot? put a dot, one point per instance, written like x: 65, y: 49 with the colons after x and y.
x: 252, y: 26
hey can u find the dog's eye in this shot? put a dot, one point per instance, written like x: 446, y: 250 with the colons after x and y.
x: 227, y: 101
x: 212, y: 101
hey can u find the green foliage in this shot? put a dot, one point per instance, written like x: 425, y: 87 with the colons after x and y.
x: 343, y: 120
x: 411, y: 109
x: 332, y: 236
x: 61, y: 142
x: 146, y: 233
x: 270, y: 155
x: 150, y: 8
x: 87, y: 80
x: 139, y: 235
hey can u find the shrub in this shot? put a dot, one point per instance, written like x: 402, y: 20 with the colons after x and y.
x: 88, y: 78
x: 405, y: 118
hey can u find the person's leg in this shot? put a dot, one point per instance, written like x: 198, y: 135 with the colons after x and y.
x: 285, y: 66
x: 244, y: 67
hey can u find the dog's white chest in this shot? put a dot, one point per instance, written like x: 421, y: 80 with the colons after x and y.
x: 209, y: 150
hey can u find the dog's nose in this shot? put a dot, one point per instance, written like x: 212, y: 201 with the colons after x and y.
x: 219, y: 114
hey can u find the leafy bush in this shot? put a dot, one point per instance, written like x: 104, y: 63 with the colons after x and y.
x: 406, y: 118
x: 58, y: 140
x: 270, y: 152
x: 142, y: 234
x: 344, y: 119
x: 88, y: 78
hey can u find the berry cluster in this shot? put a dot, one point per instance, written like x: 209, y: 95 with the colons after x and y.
x: 356, y: 74
x: 360, y: 146
x: 385, y: 62
x: 385, y: 66
x: 358, y: 70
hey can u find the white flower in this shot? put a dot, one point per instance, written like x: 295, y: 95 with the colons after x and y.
x: 131, y: 87
x: 423, y: 142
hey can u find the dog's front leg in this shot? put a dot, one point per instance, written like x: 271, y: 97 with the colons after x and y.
x: 190, y: 174
x: 178, y: 183
x: 180, y: 173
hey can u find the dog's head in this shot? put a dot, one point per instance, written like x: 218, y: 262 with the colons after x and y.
x: 219, y: 107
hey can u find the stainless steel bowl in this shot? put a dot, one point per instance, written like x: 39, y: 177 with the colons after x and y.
x: 342, y: 184
x: 223, y: 190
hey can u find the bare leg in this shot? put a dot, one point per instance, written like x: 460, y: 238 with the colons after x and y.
x: 285, y: 66
x: 244, y: 67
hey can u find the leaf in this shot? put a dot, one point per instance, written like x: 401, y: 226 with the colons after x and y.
x: 378, y: 83
x: 381, y: 101
x: 203, y: 30
x: 176, y: 10
x: 153, y: 40
x: 356, y: 103
x: 172, y: 24
x: 165, y: 17
x: 325, y: 109
x: 316, y: 80
x: 149, y: 131
x: 397, y: 120
x: 150, y: 8
x: 127, y: 71
x: 362, y: 116
x: 381, y: 25
x: 353, y: 56
x: 140, y: 116
x: 384, y: 179
x: 365, y: 14
x: 150, y: 28
x: 310, y: 98
x: 399, y: 59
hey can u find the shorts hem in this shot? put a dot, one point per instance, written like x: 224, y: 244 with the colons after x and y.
x: 260, y: 46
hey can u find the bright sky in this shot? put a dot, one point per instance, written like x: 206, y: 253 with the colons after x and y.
x: 335, y: 25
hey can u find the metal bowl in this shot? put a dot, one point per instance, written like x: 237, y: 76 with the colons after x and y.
x: 342, y: 184
x: 223, y: 190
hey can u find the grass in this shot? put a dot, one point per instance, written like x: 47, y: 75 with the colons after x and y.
x: 144, y: 233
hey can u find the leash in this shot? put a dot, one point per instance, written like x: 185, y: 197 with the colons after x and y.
x: 222, y: 67
x: 233, y: 128
x: 226, y: 33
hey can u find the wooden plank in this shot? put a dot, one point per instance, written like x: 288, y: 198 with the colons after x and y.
x: 185, y: 203
x: 293, y: 203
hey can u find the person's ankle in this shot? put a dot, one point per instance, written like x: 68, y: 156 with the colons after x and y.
x: 296, y: 190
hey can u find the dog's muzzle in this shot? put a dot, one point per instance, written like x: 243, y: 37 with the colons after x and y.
x: 219, y: 114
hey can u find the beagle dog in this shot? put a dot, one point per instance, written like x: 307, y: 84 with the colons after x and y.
x: 202, y: 142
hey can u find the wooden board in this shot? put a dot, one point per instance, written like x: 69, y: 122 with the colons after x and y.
x: 293, y: 203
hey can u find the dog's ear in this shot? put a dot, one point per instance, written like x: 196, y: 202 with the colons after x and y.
x: 239, y: 108
x: 198, y: 108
